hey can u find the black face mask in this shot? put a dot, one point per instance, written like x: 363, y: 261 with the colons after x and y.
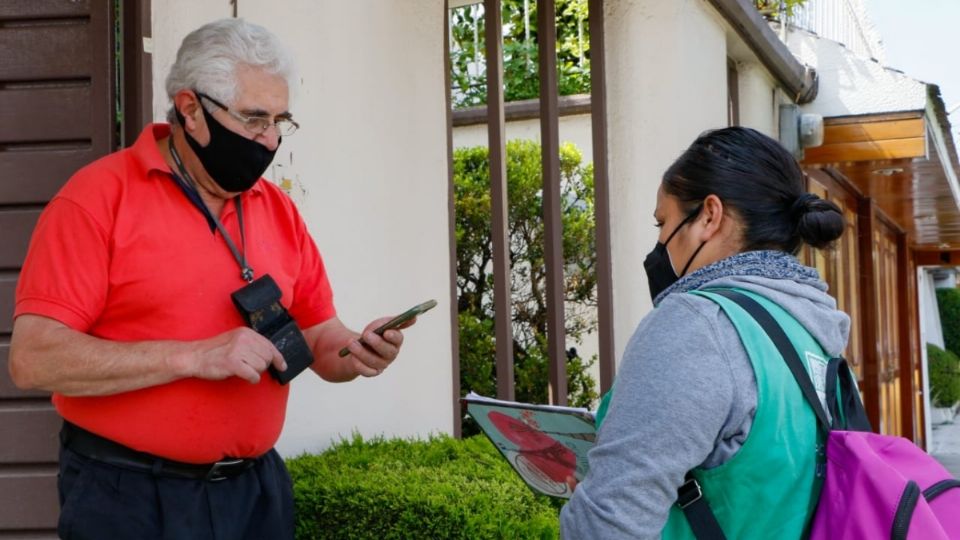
x: 233, y: 161
x: 660, y: 272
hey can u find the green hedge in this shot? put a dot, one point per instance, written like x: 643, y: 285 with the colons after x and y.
x: 437, y: 489
x: 944, y: 367
x: 948, y: 302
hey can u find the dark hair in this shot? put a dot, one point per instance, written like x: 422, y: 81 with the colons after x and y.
x: 761, y: 182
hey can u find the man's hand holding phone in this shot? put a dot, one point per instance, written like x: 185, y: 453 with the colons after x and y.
x: 380, y: 341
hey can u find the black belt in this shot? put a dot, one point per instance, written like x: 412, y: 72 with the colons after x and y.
x: 95, y: 447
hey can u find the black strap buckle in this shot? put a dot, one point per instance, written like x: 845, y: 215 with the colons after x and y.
x: 689, y: 493
x: 227, y: 468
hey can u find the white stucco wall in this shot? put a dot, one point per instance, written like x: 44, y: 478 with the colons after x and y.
x: 851, y: 84
x: 368, y: 171
x: 667, y: 69
x: 931, y: 331
x: 576, y: 129
x: 759, y: 99
x: 171, y: 21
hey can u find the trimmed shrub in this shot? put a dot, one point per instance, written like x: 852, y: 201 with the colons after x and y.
x: 399, y: 489
x: 948, y: 302
x: 944, y: 369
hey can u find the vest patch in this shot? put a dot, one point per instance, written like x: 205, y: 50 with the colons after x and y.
x: 817, y: 366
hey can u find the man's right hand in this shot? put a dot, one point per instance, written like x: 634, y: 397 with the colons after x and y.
x: 240, y: 352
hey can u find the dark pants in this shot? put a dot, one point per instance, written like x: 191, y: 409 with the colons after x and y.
x: 100, y: 501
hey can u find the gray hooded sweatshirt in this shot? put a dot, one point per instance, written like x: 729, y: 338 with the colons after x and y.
x: 685, y: 394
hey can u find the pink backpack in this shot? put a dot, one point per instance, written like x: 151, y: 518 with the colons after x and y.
x: 876, y: 486
x: 879, y: 486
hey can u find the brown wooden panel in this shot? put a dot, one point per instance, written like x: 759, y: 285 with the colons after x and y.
x: 56, y: 115
x: 45, y: 114
x: 44, y: 52
x: 8, y: 285
x: 889, y: 337
x: 938, y: 258
x: 29, y: 535
x: 916, y: 194
x: 873, y: 131
x: 866, y: 151
x: 869, y: 308
x: 29, y: 501
x: 861, y: 118
x: 7, y: 389
x: 137, y: 83
x: 17, y: 225
x: 36, y: 425
x: 42, y: 9
x: 36, y: 176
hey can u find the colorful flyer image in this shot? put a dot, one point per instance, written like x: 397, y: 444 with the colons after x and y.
x: 545, y: 444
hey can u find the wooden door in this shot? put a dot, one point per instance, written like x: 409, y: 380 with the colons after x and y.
x: 888, y: 318
x: 839, y: 267
x: 57, y: 104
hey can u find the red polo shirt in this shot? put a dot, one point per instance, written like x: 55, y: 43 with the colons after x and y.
x: 122, y: 254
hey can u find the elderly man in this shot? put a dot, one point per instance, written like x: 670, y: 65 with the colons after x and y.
x: 134, y: 303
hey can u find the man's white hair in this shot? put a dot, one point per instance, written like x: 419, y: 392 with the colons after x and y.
x: 208, y: 59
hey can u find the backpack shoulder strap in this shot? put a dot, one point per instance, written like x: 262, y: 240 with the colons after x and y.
x: 690, y: 498
x: 783, y: 344
x: 839, y: 378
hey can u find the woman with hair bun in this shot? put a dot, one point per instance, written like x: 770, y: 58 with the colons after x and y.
x: 693, y: 404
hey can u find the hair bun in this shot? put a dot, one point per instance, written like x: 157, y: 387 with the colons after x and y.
x: 802, y: 204
x: 819, y: 222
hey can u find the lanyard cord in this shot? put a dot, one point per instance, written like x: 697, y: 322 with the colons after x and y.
x: 246, y: 273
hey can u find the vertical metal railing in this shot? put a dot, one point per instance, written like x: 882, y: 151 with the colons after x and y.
x: 552, y: 199
x: 601, y: 182
x: 452, y: 227
x: 496, y: 137
x: 553, y: 226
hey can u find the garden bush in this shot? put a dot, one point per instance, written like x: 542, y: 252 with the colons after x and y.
x: 944, y: 367
x: 401, y: 489
x: 948, y: 302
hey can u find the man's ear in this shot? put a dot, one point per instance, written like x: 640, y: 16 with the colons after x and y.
x: 189, y: 106
x: 711, y: 217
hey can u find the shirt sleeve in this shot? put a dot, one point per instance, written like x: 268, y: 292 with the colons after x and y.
x: 313, y: 296
x: 65, y: 274
x: 671, y: 400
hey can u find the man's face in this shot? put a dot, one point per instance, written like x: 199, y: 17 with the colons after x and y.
x: 259, y: 94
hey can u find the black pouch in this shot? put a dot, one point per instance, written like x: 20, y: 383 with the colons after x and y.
x: 259, y: 303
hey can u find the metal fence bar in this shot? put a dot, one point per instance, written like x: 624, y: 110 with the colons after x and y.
x: 451, y: 230
x: 553, y: 224
x: 601, y: 181
x: 496, y: 136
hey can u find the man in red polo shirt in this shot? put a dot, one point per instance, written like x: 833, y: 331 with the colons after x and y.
x: 125, y: 312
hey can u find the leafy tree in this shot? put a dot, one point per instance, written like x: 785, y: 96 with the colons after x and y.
x: 520, y: 67
x: 520, y: 39
x: 944, y: 368
x: 528, y: 283
x: 771, y: 8
x: 948, y: 304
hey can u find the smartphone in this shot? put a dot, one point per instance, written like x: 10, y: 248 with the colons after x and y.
x: 398, y: 320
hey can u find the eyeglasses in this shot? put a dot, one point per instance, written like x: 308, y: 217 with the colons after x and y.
x: 256, y: 125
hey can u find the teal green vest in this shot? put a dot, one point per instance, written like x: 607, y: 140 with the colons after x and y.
x: 770, y: 488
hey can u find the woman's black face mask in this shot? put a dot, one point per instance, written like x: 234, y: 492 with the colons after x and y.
x: 660, y: 272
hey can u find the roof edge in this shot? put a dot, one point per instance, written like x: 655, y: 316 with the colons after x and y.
x: 939, y: 126
x: 799, y: 80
